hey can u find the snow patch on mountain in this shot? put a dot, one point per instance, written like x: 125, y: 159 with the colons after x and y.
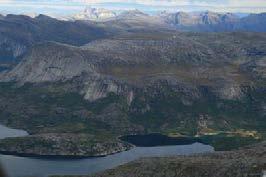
x: 95, y: 14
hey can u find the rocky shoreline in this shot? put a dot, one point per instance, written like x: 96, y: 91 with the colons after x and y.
x: 61, y: 146
x: 76, y: 146
x: 247, y: 161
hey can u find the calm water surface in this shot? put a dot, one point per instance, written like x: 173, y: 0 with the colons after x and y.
x: 42, y: 167
x: 9, y: 132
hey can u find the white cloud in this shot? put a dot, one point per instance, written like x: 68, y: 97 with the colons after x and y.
x: 5, y: 1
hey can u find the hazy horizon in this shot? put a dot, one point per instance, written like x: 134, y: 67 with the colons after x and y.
x: 68, y: 7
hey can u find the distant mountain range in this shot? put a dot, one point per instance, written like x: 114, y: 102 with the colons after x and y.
x: 216, y: 22
x: 102, y: 14
x: 19, y: 32
x: 184, y: 18
x: 204, y: 18
x: 186, y: 21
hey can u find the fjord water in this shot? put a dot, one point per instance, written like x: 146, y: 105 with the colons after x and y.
x: 157, y: 139
x: 42, y: 167
x: 9, y: 132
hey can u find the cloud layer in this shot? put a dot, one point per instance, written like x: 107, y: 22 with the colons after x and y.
x: 73, y: 6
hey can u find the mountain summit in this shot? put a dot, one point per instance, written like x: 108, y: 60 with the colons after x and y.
x: 90, y: 13
x: 203, y: 18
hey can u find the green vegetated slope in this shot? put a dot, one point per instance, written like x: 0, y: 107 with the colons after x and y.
x: 62, y: 123
x: 51, y: 109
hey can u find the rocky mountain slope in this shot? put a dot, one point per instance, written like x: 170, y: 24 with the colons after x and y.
x: 190, y: 84
x: 111, y: 57
x: 215, y: 22
x: 134, y: 21
x: 18, y: 33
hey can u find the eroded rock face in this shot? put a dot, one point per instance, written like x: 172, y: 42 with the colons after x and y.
x: 100, y: 87
x: 11, y: 48
x: 231, y: 92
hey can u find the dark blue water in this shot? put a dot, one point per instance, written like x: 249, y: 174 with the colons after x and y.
x: 41, y: 167
x: 156, y: 139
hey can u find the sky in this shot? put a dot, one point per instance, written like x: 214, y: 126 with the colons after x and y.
x: 67, y: 7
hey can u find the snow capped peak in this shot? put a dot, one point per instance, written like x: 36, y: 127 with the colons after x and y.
x: 132, y: 13
x: 90, y: 13
x: 32, y: 15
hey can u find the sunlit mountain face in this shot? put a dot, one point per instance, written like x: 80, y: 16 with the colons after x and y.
x: 136, y: 85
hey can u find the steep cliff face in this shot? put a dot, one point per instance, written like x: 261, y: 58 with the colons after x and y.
x: 11, y: 49
x: 97, y: 86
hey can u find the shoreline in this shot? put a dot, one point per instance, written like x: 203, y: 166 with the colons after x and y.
x: 165, y: 140
x: 47, y: 156
x: 69, y: 157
